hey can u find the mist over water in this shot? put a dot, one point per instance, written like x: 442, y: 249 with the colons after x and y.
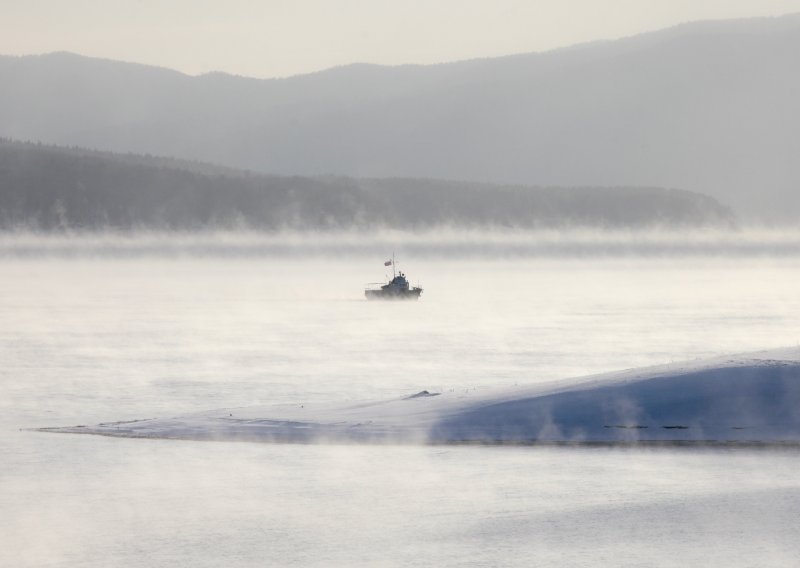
x: 108, y: 327
x: 455, y: 241
x: 172, y: 244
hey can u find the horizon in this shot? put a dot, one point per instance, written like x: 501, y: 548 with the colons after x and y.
x: 541, y: 27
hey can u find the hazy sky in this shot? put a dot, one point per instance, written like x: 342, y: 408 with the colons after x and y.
x: 268, y: 38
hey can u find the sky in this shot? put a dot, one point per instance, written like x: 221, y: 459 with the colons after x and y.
x: 278, y: 38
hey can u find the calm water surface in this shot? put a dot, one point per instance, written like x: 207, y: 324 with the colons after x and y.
x: 90, y: 340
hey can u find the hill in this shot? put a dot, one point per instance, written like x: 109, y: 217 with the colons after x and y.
x: 49, y: 188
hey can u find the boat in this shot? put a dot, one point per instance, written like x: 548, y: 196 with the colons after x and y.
x: 397, y: 288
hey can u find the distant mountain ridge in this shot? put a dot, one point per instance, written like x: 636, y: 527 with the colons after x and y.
x: 710, y: 107
x: 53, y: 188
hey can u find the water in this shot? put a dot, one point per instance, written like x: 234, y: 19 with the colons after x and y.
x: 85, y: 340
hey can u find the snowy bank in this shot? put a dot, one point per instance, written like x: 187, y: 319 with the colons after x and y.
x: 749, y: 398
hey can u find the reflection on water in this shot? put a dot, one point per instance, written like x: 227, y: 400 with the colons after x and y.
x: 87, y: 340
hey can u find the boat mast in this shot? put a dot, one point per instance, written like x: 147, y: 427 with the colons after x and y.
x: 394, y: 275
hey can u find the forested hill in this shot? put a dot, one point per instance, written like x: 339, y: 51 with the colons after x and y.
x: 53, y: 188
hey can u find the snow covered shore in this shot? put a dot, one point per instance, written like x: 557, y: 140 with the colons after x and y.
x: 748, y: 398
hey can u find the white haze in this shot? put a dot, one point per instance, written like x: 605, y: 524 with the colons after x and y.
x: 95, y: 337
x: 424, y: 243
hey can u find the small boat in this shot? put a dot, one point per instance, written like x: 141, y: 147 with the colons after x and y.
x: 397, y: 288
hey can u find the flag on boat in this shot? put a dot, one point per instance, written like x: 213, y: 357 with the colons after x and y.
x: 387, y: 263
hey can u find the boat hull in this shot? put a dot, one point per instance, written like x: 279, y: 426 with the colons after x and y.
x: 412, y: 294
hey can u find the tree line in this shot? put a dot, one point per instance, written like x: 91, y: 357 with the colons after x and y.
x: 55, y: 188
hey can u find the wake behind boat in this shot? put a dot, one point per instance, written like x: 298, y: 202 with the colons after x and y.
x: 397, y: 288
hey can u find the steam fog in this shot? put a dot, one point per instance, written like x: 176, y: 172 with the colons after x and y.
x: 175, y: 244
x: 429, y: 244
